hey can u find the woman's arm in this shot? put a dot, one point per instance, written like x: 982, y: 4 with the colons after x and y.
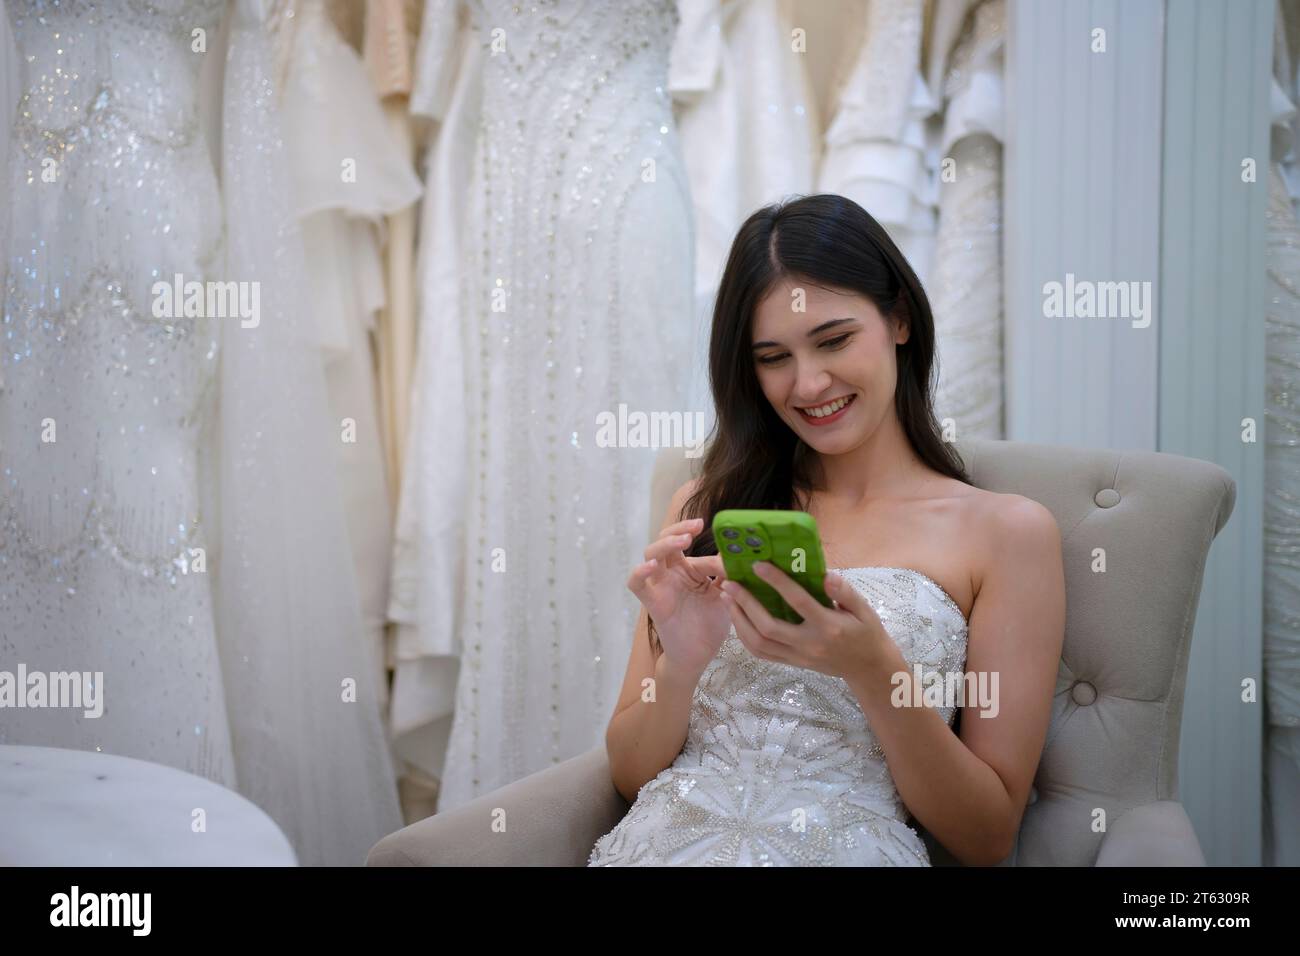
x: 645, y: 735
x: 970, y: 792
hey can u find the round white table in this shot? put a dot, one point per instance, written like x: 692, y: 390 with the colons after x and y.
x: 83, y: 808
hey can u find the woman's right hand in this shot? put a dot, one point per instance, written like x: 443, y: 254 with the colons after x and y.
x: 682, y: 595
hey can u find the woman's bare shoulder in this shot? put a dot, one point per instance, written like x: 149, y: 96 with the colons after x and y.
x: 1007, y: 524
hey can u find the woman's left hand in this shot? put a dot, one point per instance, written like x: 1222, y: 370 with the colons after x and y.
x: 845, y: 641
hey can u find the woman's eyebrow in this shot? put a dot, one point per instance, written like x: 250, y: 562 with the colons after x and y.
x: 819, y: 329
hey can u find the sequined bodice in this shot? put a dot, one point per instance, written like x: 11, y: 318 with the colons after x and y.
x: 770, y: 746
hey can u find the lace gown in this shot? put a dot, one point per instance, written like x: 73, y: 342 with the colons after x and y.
x: 780, y: 767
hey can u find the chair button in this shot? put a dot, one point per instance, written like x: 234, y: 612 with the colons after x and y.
x: 1083, y: 693
x: 1106, y: 498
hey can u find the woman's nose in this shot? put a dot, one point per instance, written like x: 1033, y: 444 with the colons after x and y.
x: 811, y: 385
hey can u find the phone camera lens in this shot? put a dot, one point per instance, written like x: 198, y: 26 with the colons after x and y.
x: 754, y: 542
x: 730, y: 533
x: 735, y: 548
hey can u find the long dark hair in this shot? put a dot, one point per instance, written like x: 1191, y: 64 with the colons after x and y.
x: 754, y: 459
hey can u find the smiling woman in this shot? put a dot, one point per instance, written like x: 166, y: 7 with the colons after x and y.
x: 748, y: 740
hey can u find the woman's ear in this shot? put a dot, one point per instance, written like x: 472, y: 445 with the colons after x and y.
x: 902, y: 327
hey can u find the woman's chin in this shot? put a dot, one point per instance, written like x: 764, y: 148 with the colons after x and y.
x: 827, y: 444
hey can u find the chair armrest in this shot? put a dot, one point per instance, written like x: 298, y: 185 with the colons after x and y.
x: 1155, y: 834
x: 552, y: 818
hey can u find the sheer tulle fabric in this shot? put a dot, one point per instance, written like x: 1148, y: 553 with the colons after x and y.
x: 308, y: 750
x: 349, y: 173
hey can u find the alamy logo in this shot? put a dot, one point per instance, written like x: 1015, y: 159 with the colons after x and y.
x: 1086, y: 299
x: 971, y: 689
x: 219, y: 300
x: 651, y: 430
x: 74, y: 689
x: 102, y: 909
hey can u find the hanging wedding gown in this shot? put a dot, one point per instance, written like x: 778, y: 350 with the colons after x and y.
x: 389, y: 41
x: 892, y: 128
x: 447, y: 91
x: 101, y: 517
x: 875, y: 147
x: 780, y: 767
x: 555, y: 286
x: 1282, y: 460
x: 965, y: 286
x: 183, y: 532
x: 349, y: 175
x: 749, y: 129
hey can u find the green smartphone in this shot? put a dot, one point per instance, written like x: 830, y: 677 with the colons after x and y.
x: 787, y: 539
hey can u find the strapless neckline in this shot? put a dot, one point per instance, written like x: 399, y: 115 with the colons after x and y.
x: 939, y: 588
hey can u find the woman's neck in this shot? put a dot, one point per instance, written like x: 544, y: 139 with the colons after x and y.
x: 883, y: 466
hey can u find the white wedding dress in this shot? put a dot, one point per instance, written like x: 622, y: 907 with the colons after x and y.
x: 749, y: 129
x: 965, y: 277
x: 780, y: 767
x: 175, y: 434
x: 332, y: 117
x: 1281, y: 617
x: 875, y: 149
x: 555, y: 285
x: 96, y: 526
x: 890, y: 130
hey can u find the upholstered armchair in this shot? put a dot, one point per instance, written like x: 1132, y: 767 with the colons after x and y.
x: 1113, y: 739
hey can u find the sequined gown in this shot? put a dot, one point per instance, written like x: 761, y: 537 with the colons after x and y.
x: 110, y: 188
x: 780, y: 767
x: 563, y: 292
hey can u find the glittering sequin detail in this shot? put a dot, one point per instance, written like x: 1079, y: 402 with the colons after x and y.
x: 103, y: 402
x: 780, y: 766
x: 559, y: 289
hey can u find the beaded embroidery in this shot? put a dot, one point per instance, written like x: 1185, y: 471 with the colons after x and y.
x: 770, y: 745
